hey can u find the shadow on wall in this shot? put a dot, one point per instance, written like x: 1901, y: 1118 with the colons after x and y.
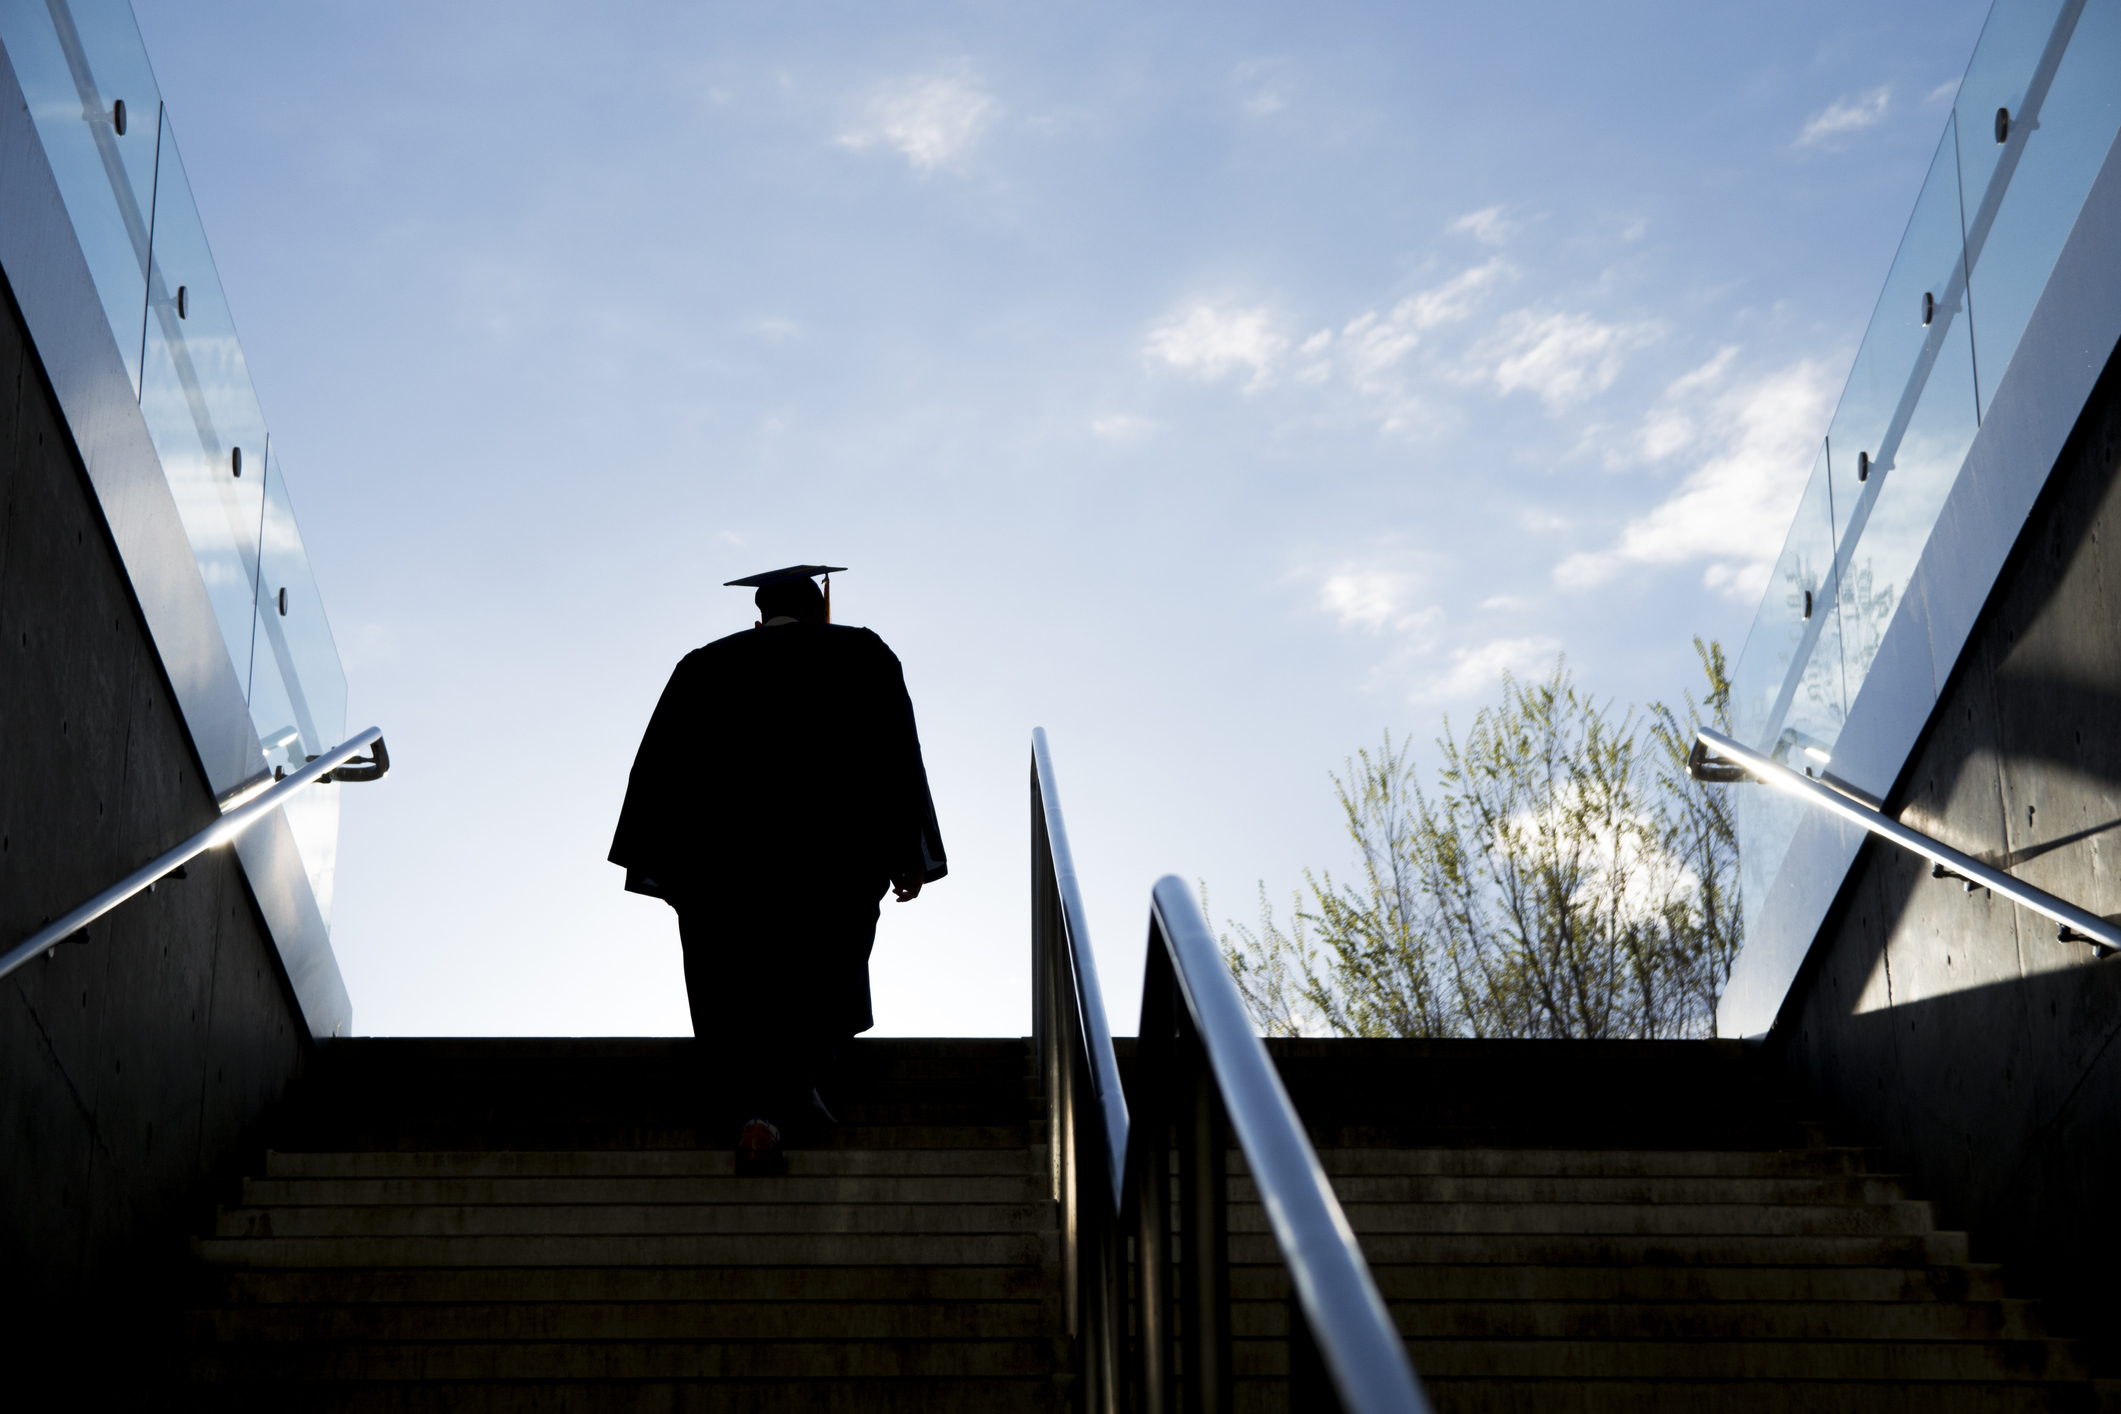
x: 2086, y: 808
x: 2003, y: 1098
x: 1952, y: 1030
x: 137, y: 1067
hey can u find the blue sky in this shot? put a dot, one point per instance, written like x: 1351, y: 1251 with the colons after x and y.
x: 1217, y: 387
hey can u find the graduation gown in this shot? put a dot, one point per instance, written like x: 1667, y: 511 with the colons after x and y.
x: 782, y: 766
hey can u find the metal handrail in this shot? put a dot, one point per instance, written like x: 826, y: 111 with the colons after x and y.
x: 1095, y: 1034
x: 230, y: 825
x: 1348, y: 1325
x: 1076, y: 1059
x: 1203, y: 1075
x: 2077, y: 925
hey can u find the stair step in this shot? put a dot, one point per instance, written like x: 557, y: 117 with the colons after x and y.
x: 1896, y: 1361
x: 1512, y: 1395
x: 644, y: 1163
x: 1706, y: 1249
x: 880, y: 1318
x: 1647, y: 1219
x: 1533, y: 1318
x: 753, y: 1250
x: 539, y: 1132
x: 626, y: 1360
x: 716, y: 1188
x: 1674, y: 1282
x: 1839, y: 1189
x: 436, y: 1286
x: 777, y: 1396
x: 1537, y: 1162
x: 625, y: 1220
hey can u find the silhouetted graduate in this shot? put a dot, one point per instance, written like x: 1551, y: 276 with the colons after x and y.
x: 778, y: 790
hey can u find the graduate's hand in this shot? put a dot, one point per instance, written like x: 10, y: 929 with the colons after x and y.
x: 906, y: 890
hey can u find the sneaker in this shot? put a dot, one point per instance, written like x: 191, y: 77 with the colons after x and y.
x: 758, y: 1149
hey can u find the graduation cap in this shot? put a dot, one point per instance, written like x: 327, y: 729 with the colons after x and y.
x: 760, y: 581
x: 782, y: 576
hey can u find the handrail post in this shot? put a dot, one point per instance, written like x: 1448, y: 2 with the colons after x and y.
x: 1056, y: 1059
x: 1108, y: 1371
x: 1204, y: 1235
x: 1042, y: 1028
x: 1154, y: 1069
x: 1070, y: 1167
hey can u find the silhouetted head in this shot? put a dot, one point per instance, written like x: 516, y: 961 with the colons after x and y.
x: 790, y: 594
x: 790, y: 598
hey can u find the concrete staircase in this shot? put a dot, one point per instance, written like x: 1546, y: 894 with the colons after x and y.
x: 1635, y: 1226
x: 516, y: 1225
x: 532, y: 1225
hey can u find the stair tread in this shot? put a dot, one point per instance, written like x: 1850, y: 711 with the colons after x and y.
x: 541, y: 1190
x: 1648, y: 1219
x: 2030, y: 1360
x: 642, y: 1163
x: 632, y: 1219
x: 632, y: 1359
x: 602, y: 1250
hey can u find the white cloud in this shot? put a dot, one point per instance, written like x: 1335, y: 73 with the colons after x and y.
x: 933, y: 121
x: 1708, y: 375
x: 1754, y: 446
x: 1375, y: 600
x: 1394, y: 366
x: 774, y: 329
x: 1945, y: 91
x: 1455, y: 299
x: 1846, y: 115
x: 1121, y: 427
x: 1664, y: 431
x: 1486, y: 226
x: 1263, y: 81
x: 1672, y: 428
x: 1212, y: 340
x: 1564, y: 358
x: 1742, y: 582
x: 1474, y: 670
x: 1372, y: 345
x: 363, y: 645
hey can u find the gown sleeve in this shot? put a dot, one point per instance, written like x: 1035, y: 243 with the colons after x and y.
x: 915, y: 805
x: 646, y: 831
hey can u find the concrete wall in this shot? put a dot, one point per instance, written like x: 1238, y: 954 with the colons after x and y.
x: 1955, y: 1031
x: 133, y: 1069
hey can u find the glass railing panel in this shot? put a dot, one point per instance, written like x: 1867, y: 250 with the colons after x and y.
x: 297, y: 686
x: 2005, y: 62
x: 1996, y: 207
x: 2023, y: 193
x: 131, y: 206
x: 196, y: 396
x: 1787, y: 696
x: 1905, y: 419
x: 76, y: 63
